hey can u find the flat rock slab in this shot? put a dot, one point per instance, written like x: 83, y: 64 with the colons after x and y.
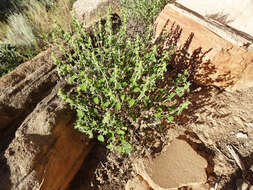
x: 230, y: 66
x: 178, y: 165
x: 234, y: 13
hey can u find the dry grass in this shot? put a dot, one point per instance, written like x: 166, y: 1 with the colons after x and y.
x: 36, y: 21
x: 44, y: 20
x: 18, y: 31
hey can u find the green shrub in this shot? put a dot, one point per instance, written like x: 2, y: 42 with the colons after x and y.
x: 143, y: 11
x: 8, y: 59
x: 11, y: 57
x: 118, y: 81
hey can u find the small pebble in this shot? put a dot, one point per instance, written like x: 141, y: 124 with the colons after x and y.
x: 241, y: 135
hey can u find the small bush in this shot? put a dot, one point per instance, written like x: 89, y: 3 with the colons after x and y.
x: 118, y: 81
x: 8, y: 59
x: 11, y: 57
x: 142, y: 13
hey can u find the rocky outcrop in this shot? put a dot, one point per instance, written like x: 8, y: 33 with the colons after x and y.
x: 90, y: 11
x: 40, y: 149
x: 228, y: 64
x: 46, y: 151
x: 23, y: 88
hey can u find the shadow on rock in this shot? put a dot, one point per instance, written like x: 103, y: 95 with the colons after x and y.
x: 87, y: 173
x: 246, y: 175
x: 5, y: 182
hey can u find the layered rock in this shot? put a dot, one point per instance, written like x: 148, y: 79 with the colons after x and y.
x: 23, y: 88
x: 233, y: 14
x: 228, y: 64
x: 40, y: 149
x: 46, y: 151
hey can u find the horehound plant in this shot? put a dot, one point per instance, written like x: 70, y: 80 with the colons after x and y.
x: 118, y: 81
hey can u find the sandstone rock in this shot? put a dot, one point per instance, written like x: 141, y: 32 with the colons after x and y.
x: 232, y: 13
x: 178, y: 165
x: 46, y: 151
x: 39, y: 149
x: 88, y: 10
x: 230, y: 65
x: 23, y: 88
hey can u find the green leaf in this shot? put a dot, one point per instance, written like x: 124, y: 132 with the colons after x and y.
x: 131, y: 102
x: 96, y: 100
x: 107, y: 117
x: 70, y: 80
x: 83, y: 87
x: 136, y: 89
x: 121, y: 132
x: 118, y: 106
x: 101, y: 138
x: 106, y: 104
x: 158, y: 115
x: 80, y: 114
x: 172, y: 95
x: 126, y: 147
x: 109, y: 146
x: 123, y: 97
x: 171, y: 118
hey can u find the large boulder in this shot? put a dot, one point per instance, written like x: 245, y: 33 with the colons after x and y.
x: 229, y: 65
x: 46, y: 152
x: 39, y: 148
x: 90, y: 11
x: 23, y: 88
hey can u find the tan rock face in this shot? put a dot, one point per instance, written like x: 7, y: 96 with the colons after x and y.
x: 39, y: 148
x: 137, y: 183
x: 23, y: 88
x: 89, y: 11
x: 46, y: 152
x: 231, y: 65
x: 178, y: 165
x: 236, y: 14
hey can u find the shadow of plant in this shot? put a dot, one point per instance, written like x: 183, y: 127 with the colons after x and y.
x: 201, y: 70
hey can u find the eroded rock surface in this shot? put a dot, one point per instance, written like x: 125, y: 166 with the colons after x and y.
x: 39, y: 147
x: 137, y: 183
x: 23, y: 88
x: 46, y: 151
x: 178, y: 165
x: 233, y: 13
